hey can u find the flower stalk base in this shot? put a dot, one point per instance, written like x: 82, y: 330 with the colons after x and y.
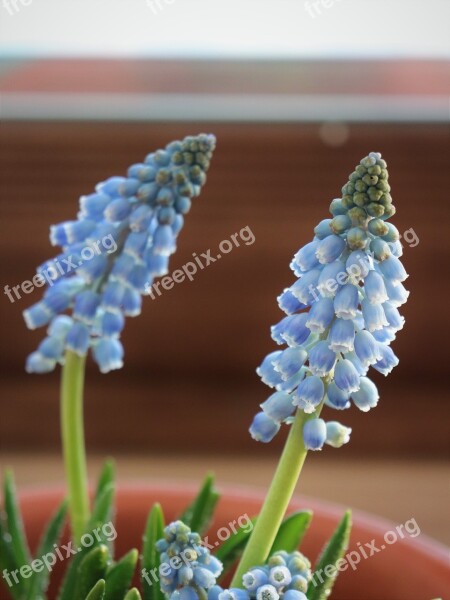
x: 72, y: 432
x: 277, y: 500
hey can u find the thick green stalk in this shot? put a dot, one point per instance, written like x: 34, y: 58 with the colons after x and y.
x: 72, y: 431
x: 277, y: 500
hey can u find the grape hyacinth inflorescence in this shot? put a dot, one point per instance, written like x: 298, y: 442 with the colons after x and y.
x: 123, y: 237
x: 284, y: 577
x: 342, y: 313
x: 188, y: 570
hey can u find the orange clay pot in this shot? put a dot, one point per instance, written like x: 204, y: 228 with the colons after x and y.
x: 409, y: 569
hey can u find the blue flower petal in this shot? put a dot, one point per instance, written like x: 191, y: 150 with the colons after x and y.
x: 263, y: 429
x: 314, y: 434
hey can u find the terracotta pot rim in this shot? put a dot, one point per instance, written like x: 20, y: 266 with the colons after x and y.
x: 372, y: 523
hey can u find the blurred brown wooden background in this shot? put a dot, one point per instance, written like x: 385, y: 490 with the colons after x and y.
x: 189, y: 380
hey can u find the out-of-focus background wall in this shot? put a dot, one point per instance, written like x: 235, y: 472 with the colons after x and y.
x: 297, y: 94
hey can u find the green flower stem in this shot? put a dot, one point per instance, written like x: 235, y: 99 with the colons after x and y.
x: 72, y: 430
x: 277, y: 499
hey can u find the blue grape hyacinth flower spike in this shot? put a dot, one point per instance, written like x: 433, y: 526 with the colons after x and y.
x: 121, y: 241
x: 342, y: 313
x: 188, y: 570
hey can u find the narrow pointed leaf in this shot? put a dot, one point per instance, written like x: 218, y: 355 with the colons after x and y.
x: 234, y: 546
x: 8, y: 563
x: 198, y: 514
x: 98, y: 591
x: 102, y: 514
x: 14, y: 522
x: 333, y: 551
x: 150, y: 560
x: 133, y: 594
x: 39, y: 580
x: 103, y: 509
x: 106, y: 478
x: 291, y: 531
x: 92, y: 568
x: 119, y: 576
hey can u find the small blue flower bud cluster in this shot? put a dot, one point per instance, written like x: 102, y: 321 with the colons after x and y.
x: 342, y: 313
x: 284, y: 577
x: 188, y: 570
x: 142, y: 214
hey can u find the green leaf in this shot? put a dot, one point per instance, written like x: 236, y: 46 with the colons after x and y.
x: 198, y: 514
x: 291, y: 531
x: 150, y: 561
x: 7, y: 561
x: 321, y: 585
x: 133, y: 594
x: 106, y: 478
x: 39, y: 580
x: 102, y: 514
x: 119, y: 576
x: 233, y: 547
x: 92, y: 568
x: 98, y: 591
x: 103, y: 509
x: 14, y: 522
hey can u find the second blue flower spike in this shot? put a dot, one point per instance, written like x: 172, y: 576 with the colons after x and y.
x: 121, y: 241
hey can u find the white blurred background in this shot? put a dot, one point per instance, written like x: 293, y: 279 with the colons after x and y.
x: 231, y: 29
